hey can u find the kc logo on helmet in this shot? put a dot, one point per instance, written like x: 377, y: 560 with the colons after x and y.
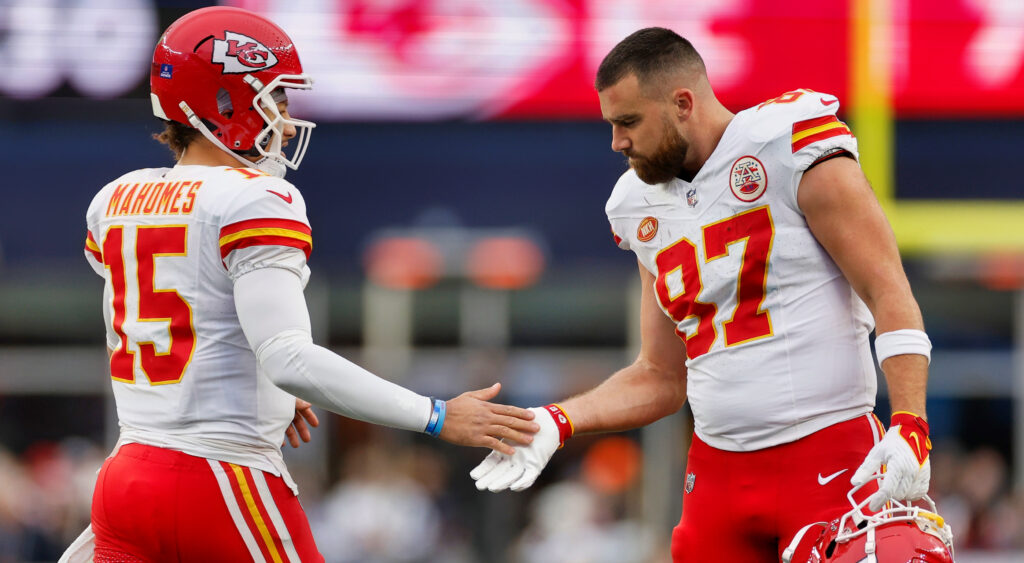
x: 241, y: 53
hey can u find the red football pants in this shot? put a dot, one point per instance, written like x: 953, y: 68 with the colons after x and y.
x: 153, y: 504
x: 747, y: 506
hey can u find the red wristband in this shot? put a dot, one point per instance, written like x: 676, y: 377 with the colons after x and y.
x: 914, y: 431
x: 562, y: 421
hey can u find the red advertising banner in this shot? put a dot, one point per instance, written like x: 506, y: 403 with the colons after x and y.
x: 536, y: 59
x: 518, y: 59
x: 960, y: 57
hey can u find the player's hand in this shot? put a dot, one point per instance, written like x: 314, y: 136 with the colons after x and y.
x: 303, y: 419
x: 500, y: 471
x: 473, y: 421
x: 904, y: 453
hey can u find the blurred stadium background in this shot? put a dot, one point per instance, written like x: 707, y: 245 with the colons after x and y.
x: 456, y: 184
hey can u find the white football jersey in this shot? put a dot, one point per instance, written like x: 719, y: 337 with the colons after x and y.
x: 169, y: 242
x: 776, y: 339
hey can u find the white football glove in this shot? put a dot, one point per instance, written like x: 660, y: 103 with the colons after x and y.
x: 905, y: 477
x: 518, y: 471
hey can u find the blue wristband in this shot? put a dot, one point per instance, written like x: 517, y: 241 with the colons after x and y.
x: 440, y: 417
x: 436, y: 417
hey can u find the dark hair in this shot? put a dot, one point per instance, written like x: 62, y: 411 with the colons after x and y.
x: 177, y: 136
x: 649, y: 53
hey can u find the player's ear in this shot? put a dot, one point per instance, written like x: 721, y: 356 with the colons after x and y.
x: 682, y: 99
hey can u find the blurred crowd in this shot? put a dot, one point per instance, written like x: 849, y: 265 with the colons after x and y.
x: 410, y: 501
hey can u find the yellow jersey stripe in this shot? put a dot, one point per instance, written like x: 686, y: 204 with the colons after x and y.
x: 254, y: 511
x: 266, y: 231
x: 819, y: 129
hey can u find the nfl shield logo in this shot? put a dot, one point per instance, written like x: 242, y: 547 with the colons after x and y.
x: 691, y: 197
x: 690, y: 479
x: 166, y: 70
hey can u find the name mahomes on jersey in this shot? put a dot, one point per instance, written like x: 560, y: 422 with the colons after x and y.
x: 169, y: 243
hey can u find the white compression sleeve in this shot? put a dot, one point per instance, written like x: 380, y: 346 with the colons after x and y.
x: 273, y: 315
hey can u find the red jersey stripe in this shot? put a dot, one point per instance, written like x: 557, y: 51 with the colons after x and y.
x: 267, y: 240
x: 835, y: 132
x: 811, y: 123
x: 265, y: 224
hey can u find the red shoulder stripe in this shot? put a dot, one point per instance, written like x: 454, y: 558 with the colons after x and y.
x: 289, y: 224
x: 812, y: 123
x: 835, y: 132
x: 92, y: 247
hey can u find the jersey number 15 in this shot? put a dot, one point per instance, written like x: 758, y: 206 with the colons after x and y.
x: 154, y: 305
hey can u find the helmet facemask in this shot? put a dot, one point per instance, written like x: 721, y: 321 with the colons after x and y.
x: 858, y: 526
x: 268, y: 143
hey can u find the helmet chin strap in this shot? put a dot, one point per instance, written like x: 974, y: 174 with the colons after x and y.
x: 787, y: 554
x: 267, y: 164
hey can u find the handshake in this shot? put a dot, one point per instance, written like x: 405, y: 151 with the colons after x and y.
x: 517, y: 471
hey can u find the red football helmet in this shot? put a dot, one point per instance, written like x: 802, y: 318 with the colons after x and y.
x: 900, y: 533
x: 223, y: 70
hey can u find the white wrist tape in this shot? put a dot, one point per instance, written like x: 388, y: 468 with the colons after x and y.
x: 903, y: 341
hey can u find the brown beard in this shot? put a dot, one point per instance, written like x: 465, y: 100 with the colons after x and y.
x: 666, y: 162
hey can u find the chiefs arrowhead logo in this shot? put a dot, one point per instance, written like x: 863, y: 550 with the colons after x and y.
x: 241, y: 53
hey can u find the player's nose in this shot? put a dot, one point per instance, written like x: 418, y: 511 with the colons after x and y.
x: 289, y: 129
x: 620, y: 142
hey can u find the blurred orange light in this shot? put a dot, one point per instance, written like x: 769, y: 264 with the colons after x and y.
x: 612, y: 464
x: 404, y: 263
x: 1002, y: 271
x: 505, y: 263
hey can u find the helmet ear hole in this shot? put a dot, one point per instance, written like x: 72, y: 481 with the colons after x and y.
x: 224, y: 105
x: 830, y: 549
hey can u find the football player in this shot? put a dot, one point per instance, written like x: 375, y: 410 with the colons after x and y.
x: 766, y: 261
x: 208, y: 333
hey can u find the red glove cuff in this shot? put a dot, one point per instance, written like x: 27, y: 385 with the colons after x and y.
x: 562, y: 421
x: 914, y: 431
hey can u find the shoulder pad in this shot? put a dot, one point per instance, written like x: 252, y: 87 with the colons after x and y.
x: 630, y: 196
x: 776, y: 117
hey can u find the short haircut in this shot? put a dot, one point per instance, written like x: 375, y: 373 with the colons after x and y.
x: 650, y: 53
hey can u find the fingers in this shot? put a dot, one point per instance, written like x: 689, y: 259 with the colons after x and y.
x: 898, y: 485
x: 292, y: 437
x: 872, y: 463
x: 877, y: 500
x: 512, y: 412
x: 506, y: 434
x: 524, y: 482
x: 486, y: 465
x: 513, y: 471
x: 499, y: 478
x: 485, y: 394
x: 306, y: 410
x: 499, y: 446
x: 299, y: 426
x: 519, y: 424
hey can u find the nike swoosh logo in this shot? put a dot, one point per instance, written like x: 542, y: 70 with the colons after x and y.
x: 287, y: 199
x: 828, y: 103
x: 825, y: 480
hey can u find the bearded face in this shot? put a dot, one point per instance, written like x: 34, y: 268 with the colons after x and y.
x: 666, y: 162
